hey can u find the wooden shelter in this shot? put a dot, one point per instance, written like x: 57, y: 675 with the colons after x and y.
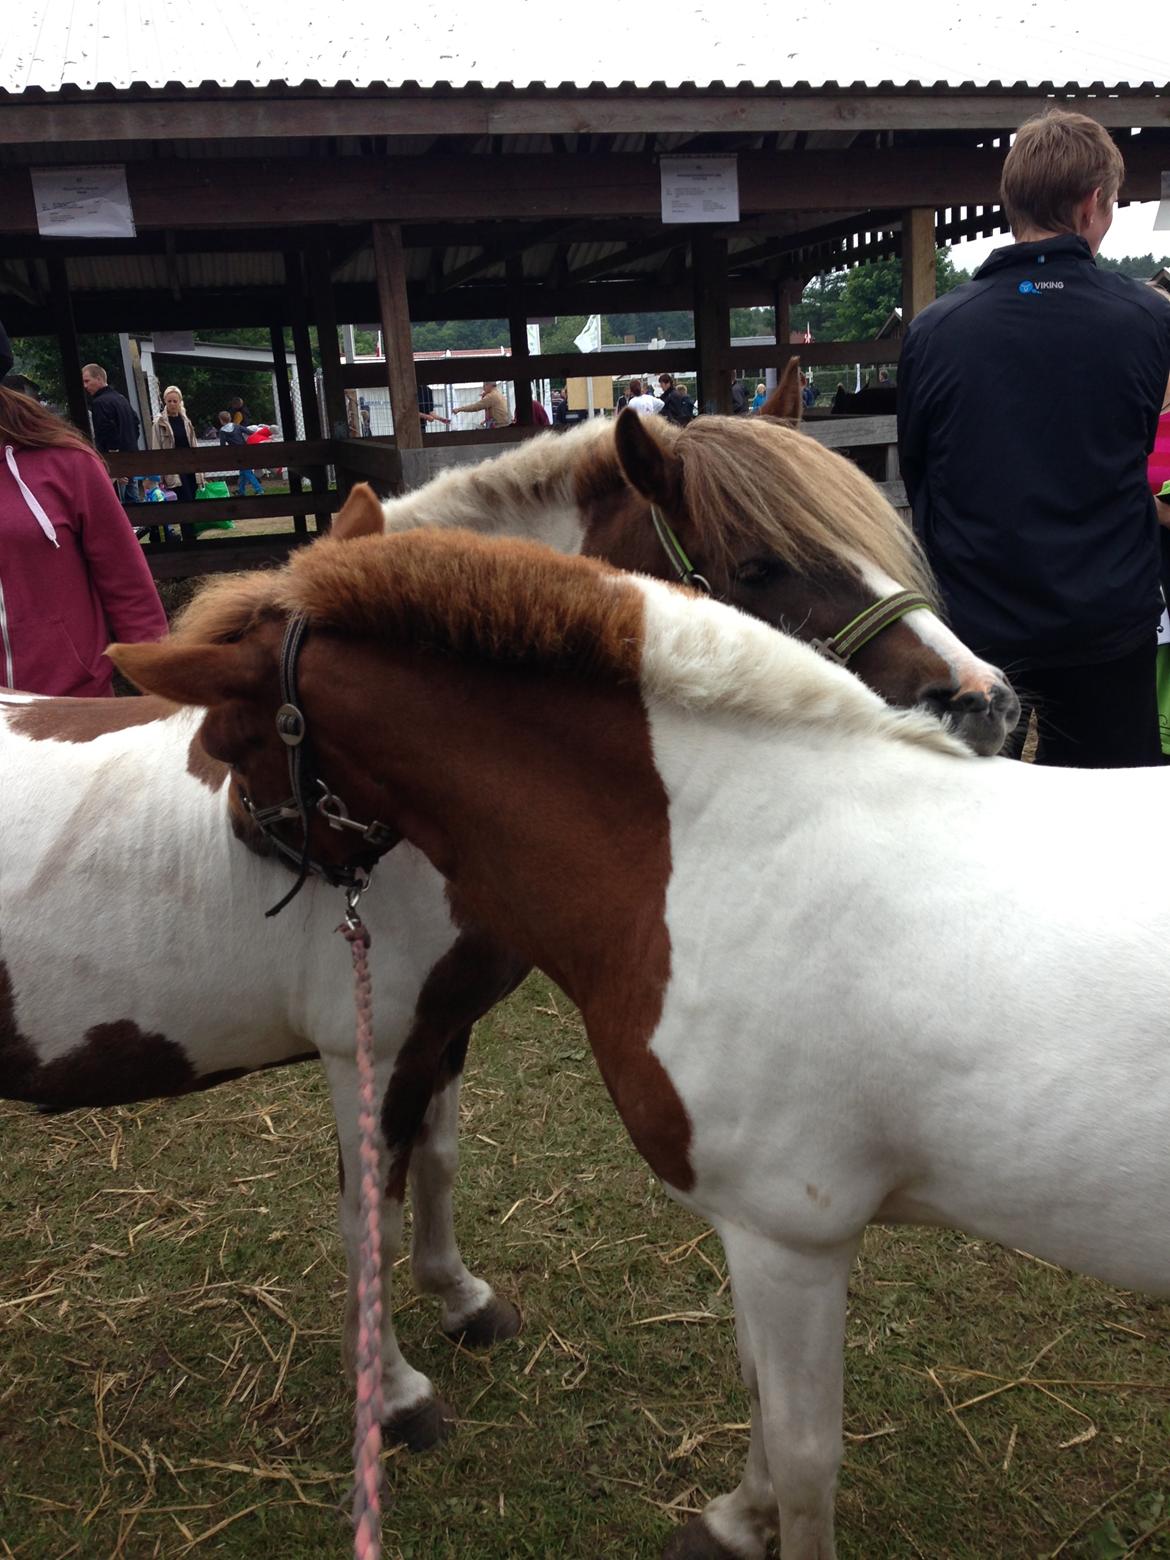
x: 305, y: 206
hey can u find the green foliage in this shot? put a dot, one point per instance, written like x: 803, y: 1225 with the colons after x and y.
x: 854, y: 305
x: 1140, y: 267
x: 206, y: 387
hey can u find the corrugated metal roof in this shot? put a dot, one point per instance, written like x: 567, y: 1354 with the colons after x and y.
x: 53, y: 44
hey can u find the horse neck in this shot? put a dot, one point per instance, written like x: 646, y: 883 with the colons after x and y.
x: 525, y: 493
x: 536, y: 795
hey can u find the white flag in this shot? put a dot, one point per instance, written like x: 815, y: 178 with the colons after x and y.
x: 590, y: 338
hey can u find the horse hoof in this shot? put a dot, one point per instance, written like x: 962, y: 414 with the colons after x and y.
x: 419, y: 1429
x: 492, y: 1323
x: 695, y: 1541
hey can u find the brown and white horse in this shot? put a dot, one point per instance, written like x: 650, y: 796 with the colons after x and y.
x: 791, y: 917
x: 118, y: 818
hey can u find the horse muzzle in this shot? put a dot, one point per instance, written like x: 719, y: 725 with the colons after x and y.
x: 983, y: 718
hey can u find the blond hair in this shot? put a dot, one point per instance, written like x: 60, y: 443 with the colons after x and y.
x: 1056, y: 160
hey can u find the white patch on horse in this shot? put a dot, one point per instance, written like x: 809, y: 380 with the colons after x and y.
x: 526, y: 492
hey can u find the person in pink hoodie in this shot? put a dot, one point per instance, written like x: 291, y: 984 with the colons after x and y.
x: 72, y: 573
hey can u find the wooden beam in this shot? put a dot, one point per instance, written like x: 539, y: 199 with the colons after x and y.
x: 397, y: 344
x: 518, y: 340
x: 295, y: 113
x: 325, y: 318
x: 918, y: 263
x: 71, y: 365
x: 314, y: 423
x: 244, y: 552
x: 712, y: 320
x: 327, y: 191
x: 284, y: 405
x: 498, y: 253
x: 115, y: 311
x: 663, y: 243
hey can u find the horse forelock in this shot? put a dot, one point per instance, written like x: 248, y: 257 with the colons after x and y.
x: 225, y: 608
x: 754, y: 480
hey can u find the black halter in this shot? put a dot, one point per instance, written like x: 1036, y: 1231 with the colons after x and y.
x: 303, y: 780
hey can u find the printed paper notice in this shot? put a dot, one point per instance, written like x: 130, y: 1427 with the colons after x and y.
x: 1162, y: 215
x: 700, y: 189
x: 82, y: 203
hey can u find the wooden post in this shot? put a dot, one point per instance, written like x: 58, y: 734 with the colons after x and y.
x: 518, y: 339
x: 918, y: 274
x: 325, y: 318
x: 70, y: 350
x: 288, y: 419
x: 712, y: 321
x: 783, y: 311
x: 390, y: 270
x: 306, y: 376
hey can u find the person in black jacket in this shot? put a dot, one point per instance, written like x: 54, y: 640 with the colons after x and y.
x: 1027, y: 404
x: 116, y: 425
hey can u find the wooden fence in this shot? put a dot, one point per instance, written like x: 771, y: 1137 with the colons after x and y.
x: 321, y: 472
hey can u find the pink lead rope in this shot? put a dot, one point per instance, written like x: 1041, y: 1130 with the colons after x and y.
x: 367, y: 1441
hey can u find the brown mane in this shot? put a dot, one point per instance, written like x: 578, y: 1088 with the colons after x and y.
x: 757, y: 480
x: 518, y: 601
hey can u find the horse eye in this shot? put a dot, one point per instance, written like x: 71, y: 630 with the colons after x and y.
x: 759, y: 571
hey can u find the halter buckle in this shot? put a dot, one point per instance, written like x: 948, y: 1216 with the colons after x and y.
x: 826, y: 648
x: 290, y: 725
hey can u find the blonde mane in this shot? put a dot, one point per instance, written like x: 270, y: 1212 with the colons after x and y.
x: 514, y: 602
x: 757, y: 480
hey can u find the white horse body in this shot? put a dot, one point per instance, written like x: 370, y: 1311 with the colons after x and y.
x: 906, y: 986
x: 125, y: 900
x: 957, y: 1017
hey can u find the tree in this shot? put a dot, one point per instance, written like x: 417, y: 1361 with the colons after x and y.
x: 853, y: 305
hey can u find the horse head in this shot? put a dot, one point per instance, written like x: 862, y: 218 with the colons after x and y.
x: 794, y: 534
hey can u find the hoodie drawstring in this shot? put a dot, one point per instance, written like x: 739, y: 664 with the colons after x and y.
x: 30, y: 497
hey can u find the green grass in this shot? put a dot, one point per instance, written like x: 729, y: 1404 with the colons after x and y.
x: 170, y: 1295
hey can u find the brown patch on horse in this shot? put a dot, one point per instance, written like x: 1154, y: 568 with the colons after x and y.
x: 471, y: 977
x: 211, y: 772
x: 116, y: 1063
x: 360, y: 515
x: 582, y: 887
x: 82, y: 720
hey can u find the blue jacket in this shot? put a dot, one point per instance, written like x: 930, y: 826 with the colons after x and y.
x: 1027, y: 406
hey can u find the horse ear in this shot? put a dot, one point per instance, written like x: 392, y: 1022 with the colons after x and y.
x: 785, y: 400
x: 646, y: 456
x: 360, y: 515
x: 191, y: 674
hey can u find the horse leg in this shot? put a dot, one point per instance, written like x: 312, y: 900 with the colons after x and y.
x: 741, y: 1522
x: 793, y: 1305
x: 412, y: 1412
x: 472, y: 1311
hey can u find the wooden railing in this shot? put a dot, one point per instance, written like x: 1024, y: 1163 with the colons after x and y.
x: 872, y: 441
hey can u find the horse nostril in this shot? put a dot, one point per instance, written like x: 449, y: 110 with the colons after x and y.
x: 939, y: 698
x: 1005, y: 702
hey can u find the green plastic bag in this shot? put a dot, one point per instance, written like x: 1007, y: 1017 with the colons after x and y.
x: 213, y: 489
